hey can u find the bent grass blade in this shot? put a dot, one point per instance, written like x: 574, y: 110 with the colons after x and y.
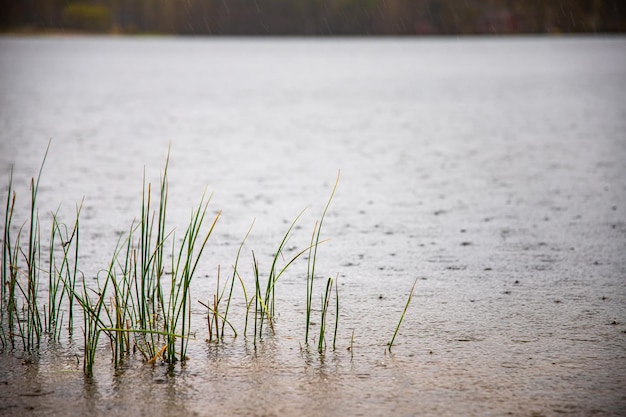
x: 406, y: 307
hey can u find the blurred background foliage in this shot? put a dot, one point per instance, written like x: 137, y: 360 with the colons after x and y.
x: 315, y: 17
x: 86, y: 16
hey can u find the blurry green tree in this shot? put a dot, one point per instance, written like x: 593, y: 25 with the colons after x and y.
x: 86, y: 16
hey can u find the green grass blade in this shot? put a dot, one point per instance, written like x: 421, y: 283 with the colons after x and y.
x: 408, y: 301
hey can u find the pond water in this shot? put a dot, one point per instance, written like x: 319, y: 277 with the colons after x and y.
x: 491, y: 170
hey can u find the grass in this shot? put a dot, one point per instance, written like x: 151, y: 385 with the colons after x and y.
x: 62, y: 278
x: 141, y: 301
x: 20, y: 273
x: 310, y: 278
x: 7, y: 278
x: 406, y: 307
x: 324, y: 311
x: 92, y: 308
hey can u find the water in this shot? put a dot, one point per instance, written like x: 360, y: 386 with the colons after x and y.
x: 489, y: 169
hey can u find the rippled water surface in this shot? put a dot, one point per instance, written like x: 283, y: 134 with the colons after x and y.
x: 490, y: 170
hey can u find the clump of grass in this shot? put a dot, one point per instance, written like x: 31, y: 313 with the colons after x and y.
x: 310, y: 278
x: 62, y: 278
x: 182, y: 272
x: 214, y: 317
x: 406, y: 307
x: 261, y: 304
x: 248, y: 301
x: 9, y: 273
x: 141, y: 301
x: 133, y: 296
x: 93, y: 324
x: 155, y: 310
x: 267, y: 302
x: 232, y: 286
x: 264, y: 297
x: 21, y: 273
x: 122, y: 309
x: 33, y: 318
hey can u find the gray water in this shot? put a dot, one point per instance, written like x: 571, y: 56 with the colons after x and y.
x: 490, y: 170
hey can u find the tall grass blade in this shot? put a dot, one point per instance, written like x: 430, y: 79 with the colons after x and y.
x: 336, y: 311
x: 408, y: 301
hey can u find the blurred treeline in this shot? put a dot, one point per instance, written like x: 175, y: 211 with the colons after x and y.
x: 314, y: 17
